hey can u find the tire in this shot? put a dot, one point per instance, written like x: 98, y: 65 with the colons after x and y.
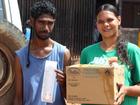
x: 11, y: 39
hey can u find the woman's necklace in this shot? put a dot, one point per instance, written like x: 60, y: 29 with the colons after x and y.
x: 107, y: 47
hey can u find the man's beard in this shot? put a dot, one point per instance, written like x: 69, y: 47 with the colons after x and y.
x: 43, y: 37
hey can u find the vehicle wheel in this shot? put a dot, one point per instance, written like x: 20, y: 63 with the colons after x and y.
x: 11, y: 39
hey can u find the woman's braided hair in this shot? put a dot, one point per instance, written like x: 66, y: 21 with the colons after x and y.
x: 122, y: 51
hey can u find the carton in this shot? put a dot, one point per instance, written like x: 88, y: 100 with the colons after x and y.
x: 93, y: 84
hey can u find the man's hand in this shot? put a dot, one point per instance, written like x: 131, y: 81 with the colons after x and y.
x: 61, y: 77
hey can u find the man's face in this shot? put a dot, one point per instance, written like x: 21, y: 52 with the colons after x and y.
x: 43, y: 26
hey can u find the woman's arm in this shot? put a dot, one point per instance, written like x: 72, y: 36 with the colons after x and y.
x: 129, y: 91
x: 138, y: 101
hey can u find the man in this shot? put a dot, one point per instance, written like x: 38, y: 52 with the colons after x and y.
x: 30, y: 60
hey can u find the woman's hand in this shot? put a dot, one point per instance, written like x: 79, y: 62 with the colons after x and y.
x: 121, y: 94
x: 113, y: 61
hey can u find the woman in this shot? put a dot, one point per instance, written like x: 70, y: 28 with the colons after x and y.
x: 113, y: 45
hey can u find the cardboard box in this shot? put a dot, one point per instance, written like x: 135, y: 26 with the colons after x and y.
x: 93, y: 84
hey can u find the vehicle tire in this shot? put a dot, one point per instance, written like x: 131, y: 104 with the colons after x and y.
x: 11, y: 39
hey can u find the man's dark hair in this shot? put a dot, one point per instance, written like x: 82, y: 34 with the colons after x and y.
x: 43, y: 7
x: 38, y: 9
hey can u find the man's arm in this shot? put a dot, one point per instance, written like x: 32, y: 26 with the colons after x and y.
x: 18, y: 83
x: 67, y: 62
x: 61, y: 76
x: 67, y: 59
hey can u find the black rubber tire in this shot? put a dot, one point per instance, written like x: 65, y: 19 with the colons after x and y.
x: 11, y: 39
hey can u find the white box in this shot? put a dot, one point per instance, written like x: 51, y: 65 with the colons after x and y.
x: 49, y: 82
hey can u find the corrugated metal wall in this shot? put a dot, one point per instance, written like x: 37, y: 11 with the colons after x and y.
x: 74, y: 25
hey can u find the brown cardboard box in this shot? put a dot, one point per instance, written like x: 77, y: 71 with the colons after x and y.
x: 93, y: 84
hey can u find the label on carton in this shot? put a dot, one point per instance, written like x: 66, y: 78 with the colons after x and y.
x: 49, y: 82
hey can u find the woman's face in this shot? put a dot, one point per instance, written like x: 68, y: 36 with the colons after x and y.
x: 108, y: 24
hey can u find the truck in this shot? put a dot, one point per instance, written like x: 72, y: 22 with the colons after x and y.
x: 11, y: 39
